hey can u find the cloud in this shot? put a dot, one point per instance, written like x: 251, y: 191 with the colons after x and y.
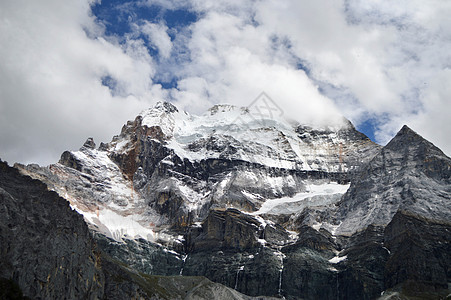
x: 66, y: 74
x: 432, y: 121
x: 52, y: 96
x: 233, y: 61
x: 415, y: 63
x: 338, y: 53
x: 158, y: 37
x: 374, y: 60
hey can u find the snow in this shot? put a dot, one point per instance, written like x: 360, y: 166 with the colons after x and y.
x: 311, y: 197
x: 317, y: 226
x: 197, y: 224
x: 262, y: 241
x: 120, y: 146
x: 262, y: 221
x: 332, y: 269
x: 293, y: 235
x: 172, y: 252
x: 272, y: 142
x: 168, y: 162
x: 337, y: 259
x: 250, y: 195
x: 118, y: 226
x: 194, y: 199
x: 105, y: 171
x: 113, y: 206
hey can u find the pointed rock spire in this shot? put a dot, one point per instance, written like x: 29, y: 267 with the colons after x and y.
x: 89, y: 143
x: 166, y: 106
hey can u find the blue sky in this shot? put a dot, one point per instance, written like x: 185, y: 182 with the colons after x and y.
x: 81, y: 68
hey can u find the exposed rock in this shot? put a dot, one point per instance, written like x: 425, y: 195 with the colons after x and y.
x: 275, y: 234
x: 125, y: 283
x: 308, y: 274
x: 362, y: 272
x: 409, y: 174
x: 420, y: 255
x: 169, y: 168
x: 45, y: 247
x: 141, y: 255
x: 47, y: 252
x: 69, y: 160
x: 226, y: 229
x: 255, y: 272
x: 89, y: 143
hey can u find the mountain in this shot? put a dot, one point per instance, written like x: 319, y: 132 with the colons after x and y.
x: 409, y: 174
x: 48, y: 252
x: 168, y: 168
x: 266, y: 206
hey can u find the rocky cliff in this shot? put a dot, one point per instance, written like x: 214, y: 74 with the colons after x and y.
x: 46, y: 248
x: 167, y: 169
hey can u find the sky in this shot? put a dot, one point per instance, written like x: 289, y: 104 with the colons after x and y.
x: 75, y: 69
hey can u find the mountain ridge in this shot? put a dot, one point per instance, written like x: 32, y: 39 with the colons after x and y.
x: 188, y: 167
x: 279, y: 208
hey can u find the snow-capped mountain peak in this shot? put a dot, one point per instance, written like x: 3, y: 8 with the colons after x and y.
x: 172, y: 167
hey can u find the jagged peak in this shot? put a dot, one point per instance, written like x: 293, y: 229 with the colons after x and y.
x: 161, y: 114
x: 407, y: 131
x: 161, y: 107
x: 90, y: 144
x: 421, y: 154
x: 406, y: 137
x: 165, y: 106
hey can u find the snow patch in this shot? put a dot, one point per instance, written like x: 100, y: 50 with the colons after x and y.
x: 309, y: 198
x: 118, y: 226
x: 338, y: 259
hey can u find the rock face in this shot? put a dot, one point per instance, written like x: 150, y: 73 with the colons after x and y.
x: 125, y: 283
x: 420, y: 255
x: 265, y: 207
x: 409, y: 174
x: 46, y: 248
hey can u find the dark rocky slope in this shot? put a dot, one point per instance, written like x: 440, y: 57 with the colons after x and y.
x: 46, y: 248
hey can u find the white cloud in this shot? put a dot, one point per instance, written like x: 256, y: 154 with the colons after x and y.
x: 338, y: 53
x: 370, y: 59
x: 51, y: 93
x: 158, y: 37
x: 432, y: 121
x: 233, y: 61
x: 386, y: 62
